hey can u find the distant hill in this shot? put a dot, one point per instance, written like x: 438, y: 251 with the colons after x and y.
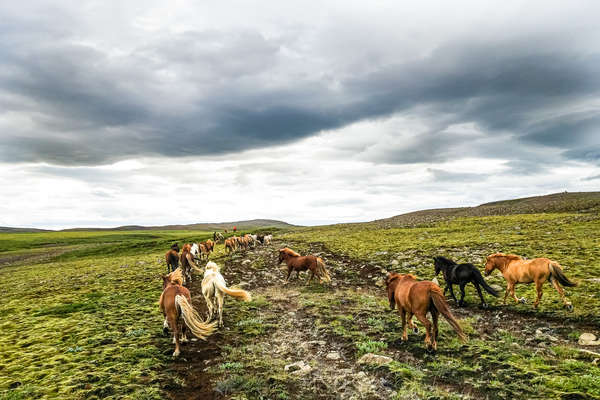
x: 216, y: 226
x: 7, y: 229
x: 552, y: 203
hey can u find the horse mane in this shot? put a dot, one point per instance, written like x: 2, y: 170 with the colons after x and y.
x: 176, y: 277
x: 444, y: 260
x: 212, y: 265
x: 507, y: 256
x: 289, y: 252
x: 186, y: 247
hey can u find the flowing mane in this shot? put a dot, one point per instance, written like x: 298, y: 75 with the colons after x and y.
x: 289, y: 252
x: 176, y: 277
x: 511, y: 257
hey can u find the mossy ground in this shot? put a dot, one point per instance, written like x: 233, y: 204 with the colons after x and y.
x: 85, y: 323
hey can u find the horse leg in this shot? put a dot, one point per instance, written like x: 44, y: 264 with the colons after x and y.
x: 461, y: 303
x: 538, y: 289
x: 506, y: 294
x: 184, y: 338
x: 411, y: 325
x: 209, y: 306
x: 434, y: 317
x: 289, y: 273
x: 312, y: 274
x: 483, y: 303
x: 560, y: 291
x: 403, y: 316
x: 175, y: 328
x: 452, y: 293
x: 220, y: 306
x: 425, y: 321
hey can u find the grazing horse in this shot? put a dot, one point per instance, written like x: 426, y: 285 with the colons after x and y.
x: 417, y: 298
x: 187, y: 262
x: 515, y: 270
x: 172, y: 258
x: 176, y: 305
x: 461, y: 274
x: 296, y: 262
x: 214, y: 289
x: 229, y: 245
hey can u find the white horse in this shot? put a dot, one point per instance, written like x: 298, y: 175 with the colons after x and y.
x: 267, y: 239
x: 214, y: 288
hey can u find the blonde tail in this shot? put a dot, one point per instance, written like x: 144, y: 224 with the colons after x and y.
x: 239, y: 293
x: 192, y: 320
x: 321, y: 271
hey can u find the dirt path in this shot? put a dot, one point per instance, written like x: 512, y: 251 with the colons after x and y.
x: 295, y: 341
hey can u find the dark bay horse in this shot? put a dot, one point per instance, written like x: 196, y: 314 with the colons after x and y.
x: 296, y: 262
x: 461, y: 274
x: 417, y: 298
x: 176, y: 305
x: 172, y: 258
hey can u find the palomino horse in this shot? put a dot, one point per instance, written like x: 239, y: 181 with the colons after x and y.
x: 461, y: 274
x: 417, y: 298
x: 176, y: 305
x: 214, y: 289
x: 187, y: 263
x: 172, y: 258
x: 515, y: 270
x: 296, y: 262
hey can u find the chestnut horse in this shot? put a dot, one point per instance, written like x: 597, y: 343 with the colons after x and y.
x: 296, y: 262
x: 229, y: 245
x: 515, y: 270
x: 417, y: 298
x: 176, y: 305
x: 172, y: 258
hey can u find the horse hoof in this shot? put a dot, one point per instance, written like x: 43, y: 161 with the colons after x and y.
x: 165, y: 331
x: 415, y: 330
x: 175, y: 354
x: 570, y: 307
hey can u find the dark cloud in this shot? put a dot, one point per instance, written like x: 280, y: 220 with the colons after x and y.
x: 218, y: 92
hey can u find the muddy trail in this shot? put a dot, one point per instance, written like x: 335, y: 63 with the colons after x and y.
x: 296, y: 341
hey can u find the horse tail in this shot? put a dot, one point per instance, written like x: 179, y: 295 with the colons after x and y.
x: 479, y: 279
x: 440, y: 303
x: 557, y: 273
x: 321, y: 271
x: 192, y: 263
x: 239, y: 293
x: 192, y: 319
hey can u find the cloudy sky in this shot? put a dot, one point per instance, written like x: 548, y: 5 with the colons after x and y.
x: 153, y: 112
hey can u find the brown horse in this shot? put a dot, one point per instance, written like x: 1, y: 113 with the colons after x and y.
x: 187, y: 263
x: 417, y: 298
x: 229, y: 245
x: 176, y: 305
x: 296, y: 262
x: 172, y: 258
x: 515, y: 270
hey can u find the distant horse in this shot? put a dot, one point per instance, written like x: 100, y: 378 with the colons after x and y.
x: 515, y: 270
x: 461, y: 274
x: 417, y: 298
x: 172, y: 258
x: 217, y: 236
x: 214, y: 288
x: 296, y: 262
x: 187, y: 263
x: 229, y: 245
x: 267, y: 239
x: 203, y: 249
x: 260, y: 238
x: 176, y: 305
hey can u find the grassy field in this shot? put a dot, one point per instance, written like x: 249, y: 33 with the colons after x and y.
x: 79, y: 317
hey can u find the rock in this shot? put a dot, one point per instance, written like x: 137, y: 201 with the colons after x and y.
x: 371, y: 358
x: 395, y: 262
x: 333, y: 355
x: 540, y: 335
x: 435, y: 280
x: 588, y: 339
x: 298, y: 368
x: 497, y: 288
x: 246, y: 262
x: 379, y: 283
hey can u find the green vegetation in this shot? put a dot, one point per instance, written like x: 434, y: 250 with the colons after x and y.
x: 79, y: 316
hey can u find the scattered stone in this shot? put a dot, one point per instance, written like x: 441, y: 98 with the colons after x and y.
x: 588, y: 339
x: 298, y: 368
x: 246, y: 262
x: 334, y: 355
x: 497, y: 288
x: 395, y: 262
x: 371, y: 358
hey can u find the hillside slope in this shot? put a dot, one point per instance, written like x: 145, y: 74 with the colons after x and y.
x: 208, y: 226
x: 552, y: 203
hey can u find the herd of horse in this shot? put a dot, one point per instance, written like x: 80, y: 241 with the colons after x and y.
x: 410, y: 296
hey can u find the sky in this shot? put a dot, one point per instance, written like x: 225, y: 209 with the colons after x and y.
x: 151, y: 112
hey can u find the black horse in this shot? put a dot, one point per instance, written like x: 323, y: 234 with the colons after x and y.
x: 461, y: 274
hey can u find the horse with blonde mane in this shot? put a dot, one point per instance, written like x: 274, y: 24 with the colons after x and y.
x: 516, y: 269
x: 417, y: 298
x: 176, y: 305
x: 296, y: 262
x: 214, y: 289
x: 187, y: 263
